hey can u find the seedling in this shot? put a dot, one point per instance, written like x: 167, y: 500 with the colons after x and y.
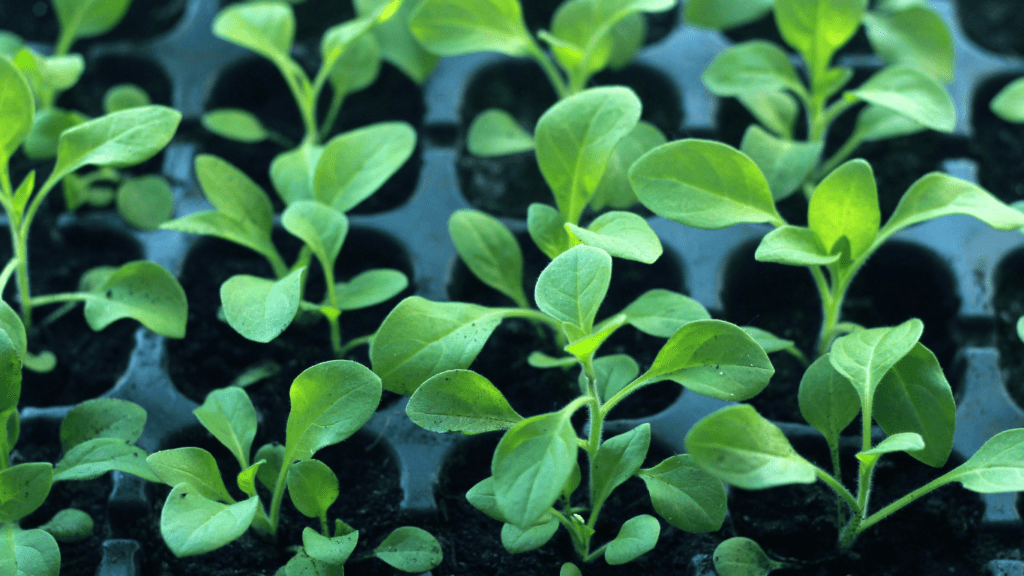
x: 888, y: 378
x: 534, y: 468
x: 97, y: 436
x: 140, y: 290
x: 329, y: 403
x: 261, y: 308
x: 902, y: 98
x: 710, y: 185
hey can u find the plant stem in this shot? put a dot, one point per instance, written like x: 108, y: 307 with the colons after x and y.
x: 839, y: 489
x: 885, y: 512
x: 21, y: 255
x: 275, y: 502
x: 557, y: 82
x: 8, y: 270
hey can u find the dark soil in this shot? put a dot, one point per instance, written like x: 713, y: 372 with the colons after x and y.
x: 993, y: 24
x: 34, y: 20
x: 214, y: 354
x: 999, y: 145
x: 88, y: 363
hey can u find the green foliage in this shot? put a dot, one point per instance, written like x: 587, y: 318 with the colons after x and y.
x: 1008, y: 104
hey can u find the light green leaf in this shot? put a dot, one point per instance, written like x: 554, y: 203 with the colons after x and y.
x: 584, y: 345
x: 490, y: 251
x: 786, y: 164
x: 396, y: 41
x: 192, y: 524
x: 246, y: 479
x: 17, y: 108
x: 334, y: 551
x: 261, y: 309
x: 1008, y: 104
x: 618, y: 459
x: 725, y: 14
x: 70, y: 526
x: 743, y: 557
x: 143, y: 291
x: 769, y: 342
x: 572, y: 287
x: 627, y: 37
x: 638, y: 536
x: 737, y: 445
x: 356, y: 67
x: 621, y: 234
x: 102, y: 418
x: 195, y: 466
x: 543, y: 361
x: 355, y: 164
x: 845, y: 205
x: 28, y: 552
x: 273, y: 457
x: 576, y: 137
x: 313, y: 487
x: 123, y: 97
x: 481, y: 496
x: 235, y: 124
x: 613, y: 373
x: 453, y: 27
x: 23, y: 489
x: 569, y: 569
x: 911, y: 93
x: 878, y: 123
x: 938, y: 194
x: 229, y: 415
x: 267, y: 28
x: 234, y: 194
x: 330, y: 402
x: 517, y: 540
x: 460, y: 401
x: 713, y: 358
x: 754, y: 66
x: 145, y: 202
x: 817, y: 28
x: 865, y: 356
x: 293, y: 173
x: 420, y: 338
x: 10, y: 324
x: 370, y: 288
x: 615, y: 191
x: 89, y: 18
x: 703, y: 184
x: 43, y: 139
x: 547, y: 230
x: 794, y: 246
x: 903, y: 442
x: 776, y: 110
x: 495, y: 132
x: 221, y: 225
x: 684, y: 495
x: 998, y: 466
x: 916, y: 36
x: 661, y: 313
x: 94, y: 458
x: 827, y: 399
x: 410, y: 549
x: 321, y: 228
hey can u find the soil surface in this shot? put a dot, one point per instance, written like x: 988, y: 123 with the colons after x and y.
x: 993, y: 24
x: 998, y: 145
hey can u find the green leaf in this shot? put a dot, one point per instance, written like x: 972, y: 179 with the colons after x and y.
x: 845, y: 205
x: 23, y: 489
x: 460, y: 401
x: 743, y: 557
x: 356, y: 67
x: 703, y: 184
x: 44, y: 137
x: 229, y: 415
x: 910, y: 93
x: 794, y: 246
x: 123, y: 97
x: 120, y: 139
x: 410, y: 549
x: 145, y: 202
x: 313, y: 487
x: 621, y: 234
x: 865, y: 356
x: 267, y: 28
x: 786, y: 164
x: 261, y: 309
x: 583, y: 345
x: 817, y: 28
x: 547, y: 230
x: 576, y: 137
x: 195, y: 466
x: 903, y: 442
x: 769, y: 342
x: 542, y: 361
x: 70, y: 526
x: 914, y: 396
x: 738, y: 446
x: 1020, y: 328
x: 776, y: 110
x: 878, y: 123
x: 569, y: 569
x: 453, y: 27
x: 102, y: 418
x: 495, y: 132
x: 1009, y: 102
x: 756, y: 65
x: 517, y: 540
x: 638, y: 536
x: 916, y: 36
x: 28, y: 552
x: 937, y: 194
x: 89, y: 18
x: 618, y: 459
x: 10, y: 324
x: 998, y: 466
x: 827, y: 399
x: 725, y: 14
x: 330, y: 402
x: 334, y: 551
x: 572, y: 287
x: 293, y: 173
x: 531, y: 464
x: 246, y: 479
x: 355, y: 164
x: 713, y: 358
x: 235, y: 124
x: 94, y: 458
x: 50, y: 74
x: 614, y: 372
x: 143, y: 291
x: 490, y: 251
x: 17, y: 108
x: 370, y: 288
x: 684, y: 495
x: 420, y: 338
x: 192, y: 524
x: 661, y: 313
x: 321, y: 228
x: 396, y: 41
x: 615, y: 191
x: 273, y: 455
x: 481, y: 496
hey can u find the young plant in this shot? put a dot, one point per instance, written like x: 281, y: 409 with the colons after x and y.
x: 902, y: 98
x: 329, y: 403
x: 534, y: 467
x: 140, y: 290
x: 710, y: 185
x: 261, y: 308
x: 888, y: 378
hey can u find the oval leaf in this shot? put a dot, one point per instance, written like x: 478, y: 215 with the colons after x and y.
x: 94, y: 458
x: 17, y: 108
x: 267, y: 28
x: 845, y: 204
x: 229, y: 415
x: 661, y: 313
x: 321, y: 228
x: 686, y: 496
x: 937, y: 194
x: 618, y: 458
x: 572, y: 287
x: 751, y: 66
x: 1008, y: 104
x: 453, y: 27
x: 145, y: 202
x: 621, y: 234
x: 998, y: 466
x: 192, y: 524
x: 261, y: 309
x: 410, y: 549
x: 102, y: 418
x: 370, y: 288
x: 313, y: 487
x: 23, y: 489
x: 143, y: 291
x: 460, y: 401
x: 794, y: 246
x: 743, y: 557
x: 195, y: 466
x: 911, y: 93
x: 355, y: 164
x: 865, y: 356
x: 30, y: 553
x: 235, y: 124
x: 517, y: 540
x: 903, y: 442
x: 495, y: 132
x: 490, y: 251
x: 637, y: 537
x: 827, y: 399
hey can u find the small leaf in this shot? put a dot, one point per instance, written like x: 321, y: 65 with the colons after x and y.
x: 998, y: 466
x: 70, y: 526
x: 740, y: 447
x: 261, y: 309
x: 865, y: 356
x: 542, y: 361
x: 192, y: 524
x: 267, y: 28
x: 776, y: 110
x: 845, y: 204
x: 725, y: 14
x: 143, y: 291
x: 517, y: 540
x: 273, y: 455
x: 828, y: 401
x: 229, y: 415
x: 89, y: 19
x: 410, y: 549
x: 44, y: 137
x: 903, y: 442
x: 195, y: 466
x: 817, y: 28
x: 583, y: 346
x: 615, y: 191
x: 569, y: 569
x: 102, y: 418
x: 235, y: 124
x: 313, y: 487
x: 1008, y: 104
x: 618, y: 459
x: 145, y: 202
x: 495, y: 132
x: 94, y: 458
x: 453, y: 27
x: 638, y: 536
x: 756, y: 65
x: 877, y: 123
x: 321, y: 228
x: 794, y: 246
x: 355, y: 164
x: 334, y: 551
x: 937, y: 194
x: 23, y: 489
x: 661, y: 313
x: 911, y: 93
x: 490, y: 251
x: 684, y: 495
x: 370, y: 288
x: 246, y: 479
x: 621, y: 234
x: 357, y: 67
x: 572, y: 287
x: 17, y: 108
x: 396, y: 41
x: 546, y: 228
x: 743, y: 557
x: 786, y: 164
x: 481, y: 496
x: 460, y: 401
x: 614, y: 372
x: 293, y: 173
x: 123, y: 97
x: 916, y: 36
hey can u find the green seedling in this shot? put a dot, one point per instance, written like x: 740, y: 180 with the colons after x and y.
x: 888, y: 378
x: 140, y: 290
x: 710, y: 185
x: 350, y: 59
x: 903, y: 98
x: 97, y: 436
x: 534, y: 467
x: 329, y: 403
x: 261, y: 308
